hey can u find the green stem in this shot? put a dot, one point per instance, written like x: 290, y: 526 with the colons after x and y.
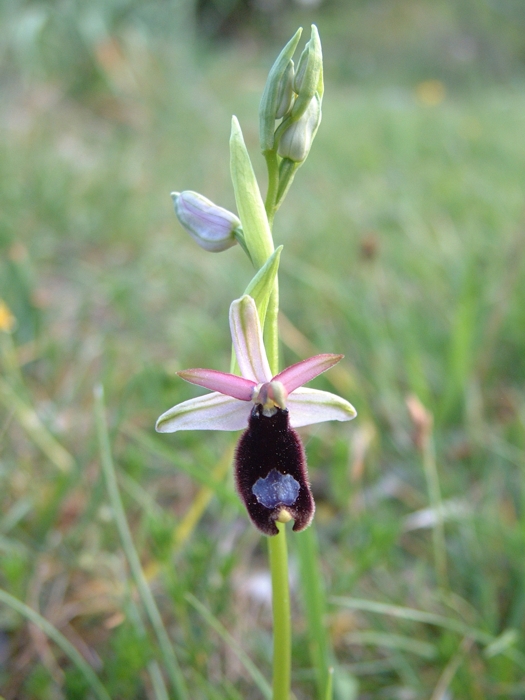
x: 271, y: 330
x: 282, y: 635
x: 277, y: 549
x: 273, y: 185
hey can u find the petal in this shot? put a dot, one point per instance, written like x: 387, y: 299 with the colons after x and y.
x: 309, y: 406
x: 224, y: 383
x: 270, y: 473
x: 248, y: 341
x: 210, y: 412
x: 296, y: 375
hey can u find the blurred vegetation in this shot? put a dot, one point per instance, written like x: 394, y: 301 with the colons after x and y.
x: 403, y: 248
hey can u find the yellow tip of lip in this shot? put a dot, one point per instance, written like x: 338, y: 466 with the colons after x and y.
x: 284, y: 516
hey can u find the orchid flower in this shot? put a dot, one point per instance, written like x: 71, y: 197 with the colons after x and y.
x: 271, y: 474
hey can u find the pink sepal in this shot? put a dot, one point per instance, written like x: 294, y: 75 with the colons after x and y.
x: 302, y: 372
x: 224, y: 383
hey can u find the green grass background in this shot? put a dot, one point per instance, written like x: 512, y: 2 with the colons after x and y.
x: 403, y: 248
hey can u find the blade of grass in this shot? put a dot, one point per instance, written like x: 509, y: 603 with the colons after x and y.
x: 445, y: 679
x: 35, y: 429
x: 460, y: 360
x: 393, y: 641
x: 200, y: 474
x: 9, y: 356
x: 157, y: 681
x: 436, y: 503
x: 133, y: 613
x: 423, y: 422
x: 201, y: 501
x: 314, y: 600
x: 248, y: 664
x: 196, y: 510
x: 51, y: 631
x: 166, y: 648
x: 428, y: 618
x: 15, y: 514
x: 329, y: 684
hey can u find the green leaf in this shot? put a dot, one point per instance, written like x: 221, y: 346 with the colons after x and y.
x: 257, y: 233
x: 262, y: 284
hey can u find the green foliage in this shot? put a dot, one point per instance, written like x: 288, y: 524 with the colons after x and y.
x: 75, y: 685
x: 403, y: 249
x: 40, y: 685
x: 128, y: 656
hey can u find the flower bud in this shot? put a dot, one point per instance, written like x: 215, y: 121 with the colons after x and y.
x: 297, y: 139
x: 308, y: 80
x: 285, y: 94
x: 277, y: 96
x: 211, y: 226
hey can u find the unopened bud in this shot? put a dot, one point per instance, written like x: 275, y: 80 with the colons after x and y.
x: 211, y: 226
x: 296, y: 140
x: 277, y: 96
x: 308, y: 79
x: 285, y: 95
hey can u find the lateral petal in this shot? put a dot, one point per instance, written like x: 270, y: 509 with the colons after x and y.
x: 309, y: 406
x: 209, y: 412
x: 302, y: 372
x: 224, y: 383
x: 248, y: 340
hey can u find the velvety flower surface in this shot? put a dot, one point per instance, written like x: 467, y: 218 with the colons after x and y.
x: 271, y: 472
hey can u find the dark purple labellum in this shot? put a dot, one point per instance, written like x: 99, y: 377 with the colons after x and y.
x: 270, y: 472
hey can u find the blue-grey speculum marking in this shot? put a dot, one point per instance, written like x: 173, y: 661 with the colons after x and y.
x: 276, y: 489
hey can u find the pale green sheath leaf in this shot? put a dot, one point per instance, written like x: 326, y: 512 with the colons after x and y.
x: 262, y: 284
x: 257, y: 233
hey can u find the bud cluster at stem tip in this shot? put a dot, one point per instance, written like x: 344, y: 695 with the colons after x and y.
x: 295, y: 96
